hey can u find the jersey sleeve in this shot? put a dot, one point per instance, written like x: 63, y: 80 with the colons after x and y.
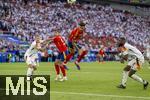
x: 125, y: 49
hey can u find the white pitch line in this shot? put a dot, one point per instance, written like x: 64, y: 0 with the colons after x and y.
x: 92, y: 94
x: 100, y: 95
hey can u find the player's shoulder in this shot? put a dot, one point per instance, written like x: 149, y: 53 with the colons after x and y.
x: 127, y: 45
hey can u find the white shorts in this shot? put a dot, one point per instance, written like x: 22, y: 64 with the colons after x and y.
x: 136, y: 64
x: 32, y: 61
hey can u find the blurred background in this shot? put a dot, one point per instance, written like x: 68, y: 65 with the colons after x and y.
x: 106, y: 20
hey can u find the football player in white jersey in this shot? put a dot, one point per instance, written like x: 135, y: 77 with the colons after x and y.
x: 31, y: 56
x: 134, y: 64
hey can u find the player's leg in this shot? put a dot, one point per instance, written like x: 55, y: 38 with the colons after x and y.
x: 82, y: 52
x: 57, y: 70
x: 31, y: 67
x: 124, y: 77
x: 102, y: 59
x: 30, y: 72
x: 71, y: 52
x: 62, y: 66
x: 132, y: 74
x: 138, y: 78
x: 57, y: 67
x: 98, y: 57
x: 63, y: 70
x: 64, y: 61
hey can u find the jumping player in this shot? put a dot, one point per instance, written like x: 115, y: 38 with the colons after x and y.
x: 59, y: 62
x: 76, y: 34
x: 31, y: 56
x: 135, y: 64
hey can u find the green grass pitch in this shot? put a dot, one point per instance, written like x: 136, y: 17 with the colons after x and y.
x: 95, y: 81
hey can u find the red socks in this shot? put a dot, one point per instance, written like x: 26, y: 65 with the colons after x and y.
x: 63, y: 70
x: 57, y: 69
x: 80, y: 57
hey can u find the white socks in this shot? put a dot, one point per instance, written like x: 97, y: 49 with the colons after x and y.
x: 124, y: 78
x: 30, y: 71
x: 137, y: 78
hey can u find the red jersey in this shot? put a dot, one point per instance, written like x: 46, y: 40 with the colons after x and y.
x: 76, y: 34
x: 60, y: 43
x: 101, y: 52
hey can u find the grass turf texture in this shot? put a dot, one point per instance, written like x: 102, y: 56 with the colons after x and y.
x: 95, y: 81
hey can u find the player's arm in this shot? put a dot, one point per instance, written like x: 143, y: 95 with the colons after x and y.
x: 64, y: 55
x: 123, y: 57
x: 47, y: 41
x: 44, y: 44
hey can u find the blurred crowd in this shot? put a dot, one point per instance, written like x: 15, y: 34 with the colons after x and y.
x: 104, y: 24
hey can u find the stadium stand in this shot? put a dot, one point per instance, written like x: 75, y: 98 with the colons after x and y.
x: 104, y: 24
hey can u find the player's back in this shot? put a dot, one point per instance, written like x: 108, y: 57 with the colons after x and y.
x: 133, y: 51
x: 75, y: 34
x: 60, y: 43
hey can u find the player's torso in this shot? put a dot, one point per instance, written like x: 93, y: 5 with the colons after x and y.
x: 60, y: 43
x: 101, y: 52
x: 134, y: 52
x: 76, y: 34
x: 32, y: 51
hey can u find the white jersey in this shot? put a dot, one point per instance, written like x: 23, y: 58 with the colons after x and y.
x: 32, y: 51
x: 133, y: 51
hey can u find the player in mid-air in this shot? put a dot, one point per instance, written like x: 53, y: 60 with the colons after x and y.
x: 73, y: 39
x: 134, y: 64
x: 31, y: 55
x: 101, y: 54
x: 60, y: 43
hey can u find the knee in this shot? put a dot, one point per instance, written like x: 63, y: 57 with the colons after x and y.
x: 30, y: 66
x: 131, y: 72
x: 127, y: 68
x: 56, y: 62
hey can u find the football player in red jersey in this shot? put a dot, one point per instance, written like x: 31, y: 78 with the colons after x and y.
x: 59, y: 62
x: 101, y: 55
x: 75, y: 35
